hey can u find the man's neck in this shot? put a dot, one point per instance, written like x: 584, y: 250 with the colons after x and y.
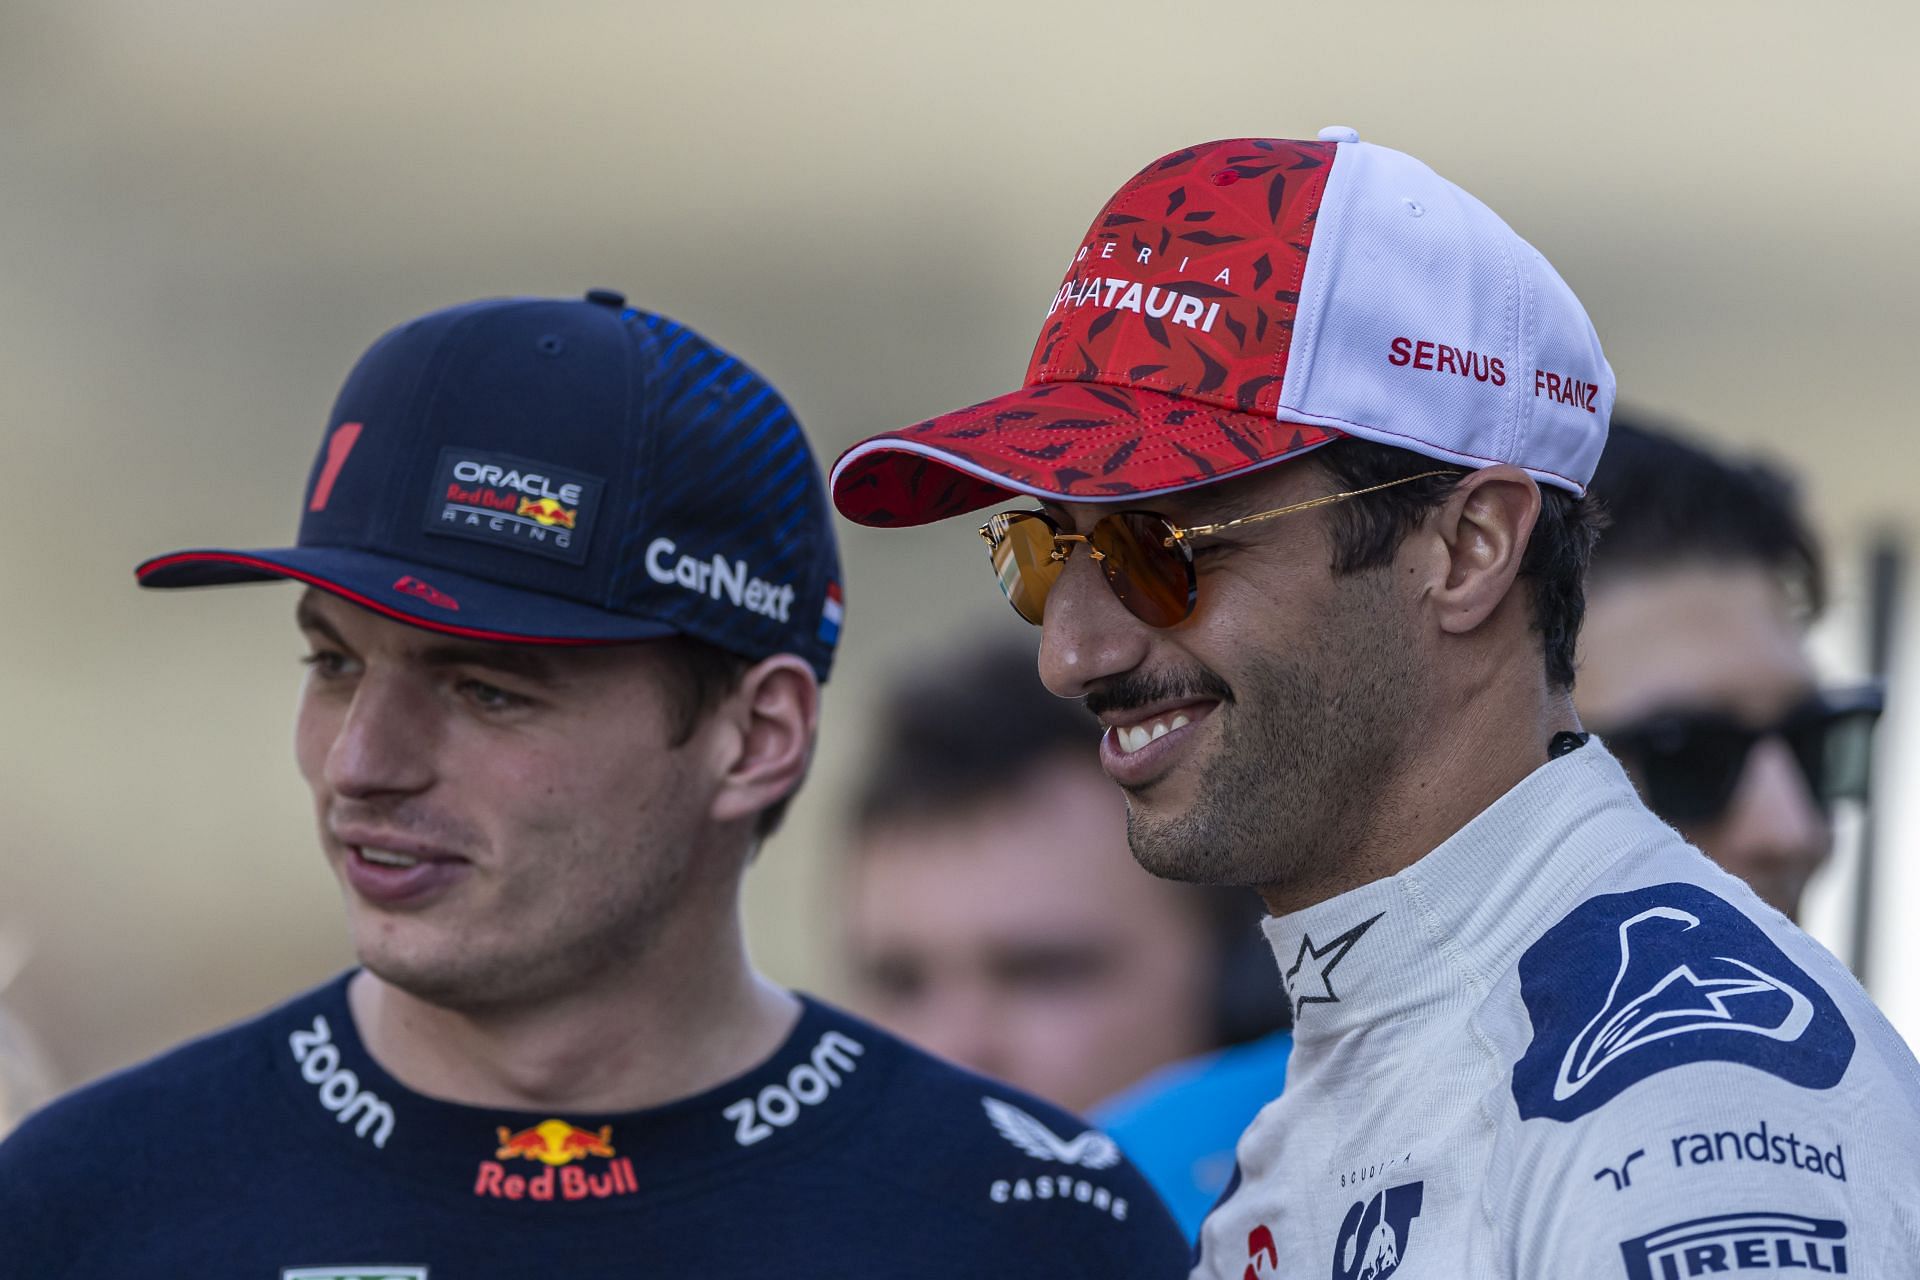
x: 1496, y: 737
x: 672, y: 1027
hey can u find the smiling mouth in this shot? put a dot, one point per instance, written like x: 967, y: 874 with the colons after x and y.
x: 1129, y: 738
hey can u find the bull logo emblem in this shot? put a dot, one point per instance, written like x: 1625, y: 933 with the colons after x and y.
x: 1373, y: 1236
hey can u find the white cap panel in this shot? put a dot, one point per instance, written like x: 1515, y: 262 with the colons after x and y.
x: 1423, y: 320
x: 1569, y: 389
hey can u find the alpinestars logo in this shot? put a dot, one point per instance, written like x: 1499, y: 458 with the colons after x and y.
x: 1679, y: 1002
x: 1375, y: 1233
x: 1090, y: 1150
x: 1308, y: 980
x: 1682, y: 976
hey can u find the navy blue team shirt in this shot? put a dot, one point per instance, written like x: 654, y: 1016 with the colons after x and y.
x: 279, y: 1149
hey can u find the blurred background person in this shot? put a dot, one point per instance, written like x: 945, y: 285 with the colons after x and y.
x: 996, y: 916
x: 1693, y: 661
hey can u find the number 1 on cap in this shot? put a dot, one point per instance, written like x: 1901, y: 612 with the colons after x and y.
x: 339, y: 445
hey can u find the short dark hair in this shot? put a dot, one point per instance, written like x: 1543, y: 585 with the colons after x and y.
x: 1670, y: 500
x: 699, y: 676
x: 1368, y: 532
x: 967, y: 727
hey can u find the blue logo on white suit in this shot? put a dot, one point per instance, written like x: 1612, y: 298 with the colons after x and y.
x: 1374, y: 1235
x: 1631, y: 984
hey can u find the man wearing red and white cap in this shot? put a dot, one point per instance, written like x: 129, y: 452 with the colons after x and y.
x: 1309, y: 429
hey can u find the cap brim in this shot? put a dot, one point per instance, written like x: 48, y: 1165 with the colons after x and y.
x: 451, y: 603
x: 1060, y: 441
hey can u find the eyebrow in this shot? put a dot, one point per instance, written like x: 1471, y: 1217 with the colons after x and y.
x: 525, y: 663
x: 511, y: 660
x: 308, y: 618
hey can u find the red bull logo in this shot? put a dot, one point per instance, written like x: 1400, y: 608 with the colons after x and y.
x: 557, y: 1145
x: 548, y: 512
x: 555, y: 1142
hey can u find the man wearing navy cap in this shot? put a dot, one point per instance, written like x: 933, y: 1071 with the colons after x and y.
x: 570, y: 591
x: 1308, y: 430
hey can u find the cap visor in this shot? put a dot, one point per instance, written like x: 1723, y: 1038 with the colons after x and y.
x: 1061, y: 441
x: 417, y: 595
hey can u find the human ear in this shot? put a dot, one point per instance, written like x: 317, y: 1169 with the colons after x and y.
x: 1483, y: 530
x: 774, y: 715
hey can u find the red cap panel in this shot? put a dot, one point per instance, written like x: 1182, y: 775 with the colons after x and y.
x: 1189, y: 279
x: 1161, y: 361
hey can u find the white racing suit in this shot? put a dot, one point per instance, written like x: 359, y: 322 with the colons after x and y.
x: 1565, y: 1045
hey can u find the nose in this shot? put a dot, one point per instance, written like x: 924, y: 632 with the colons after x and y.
x: 1774, y: 834
x: 384, y: 744
x: 1086, y: 634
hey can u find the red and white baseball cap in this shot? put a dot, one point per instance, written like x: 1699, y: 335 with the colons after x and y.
x: 1241, y: 302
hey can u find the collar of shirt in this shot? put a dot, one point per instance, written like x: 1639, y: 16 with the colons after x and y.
x: 1439, y: 933
x: 823, y: 1077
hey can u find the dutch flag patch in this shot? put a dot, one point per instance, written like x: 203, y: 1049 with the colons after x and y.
x: 830, y: 614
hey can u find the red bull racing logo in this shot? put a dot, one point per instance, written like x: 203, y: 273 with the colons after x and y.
x: 557, y: 1145
x: 548, y: 512
x: 505, y: 501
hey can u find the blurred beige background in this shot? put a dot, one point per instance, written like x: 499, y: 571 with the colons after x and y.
x: 208, y: 208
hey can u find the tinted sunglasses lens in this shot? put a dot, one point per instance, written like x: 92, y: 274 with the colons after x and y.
x: 1021, y: 546
x: 1153, y: 580
x: 1691, y: 770
x: 1835, y: 750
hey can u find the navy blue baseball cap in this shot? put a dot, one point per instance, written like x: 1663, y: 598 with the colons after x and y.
x: 552, y: 472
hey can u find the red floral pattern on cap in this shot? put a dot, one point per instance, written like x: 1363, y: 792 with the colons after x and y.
x: 1072, y: 440
x: 1221, y: 230
x: 1161, y: 361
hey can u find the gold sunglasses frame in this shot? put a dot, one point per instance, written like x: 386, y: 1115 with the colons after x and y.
x: 994, y: 530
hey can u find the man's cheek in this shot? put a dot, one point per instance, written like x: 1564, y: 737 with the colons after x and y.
x: 313, y: 735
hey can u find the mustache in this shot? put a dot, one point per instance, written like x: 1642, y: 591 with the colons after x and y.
x: 1140, y: 689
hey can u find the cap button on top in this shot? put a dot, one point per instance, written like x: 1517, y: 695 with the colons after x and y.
x: 1339, y: 133
x: 607, y: 298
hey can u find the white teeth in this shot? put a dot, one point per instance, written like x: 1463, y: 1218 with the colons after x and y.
x: 1130, y: 738
x: 387, y: 857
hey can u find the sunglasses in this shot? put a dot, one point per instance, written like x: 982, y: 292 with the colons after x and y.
x: 1147, y: 559
x: 1689, y: 763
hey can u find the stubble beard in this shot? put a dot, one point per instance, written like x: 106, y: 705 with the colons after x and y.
x: 1305, y: 750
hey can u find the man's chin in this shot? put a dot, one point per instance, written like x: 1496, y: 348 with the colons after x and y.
x: 1167, y: 847
x: 412, y: 956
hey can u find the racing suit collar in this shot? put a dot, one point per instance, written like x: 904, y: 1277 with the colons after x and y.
x: 1433, y: 937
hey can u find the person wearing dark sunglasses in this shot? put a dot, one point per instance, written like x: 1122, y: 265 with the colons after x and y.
x: 1693, y: 660
x: 1295, y: 492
